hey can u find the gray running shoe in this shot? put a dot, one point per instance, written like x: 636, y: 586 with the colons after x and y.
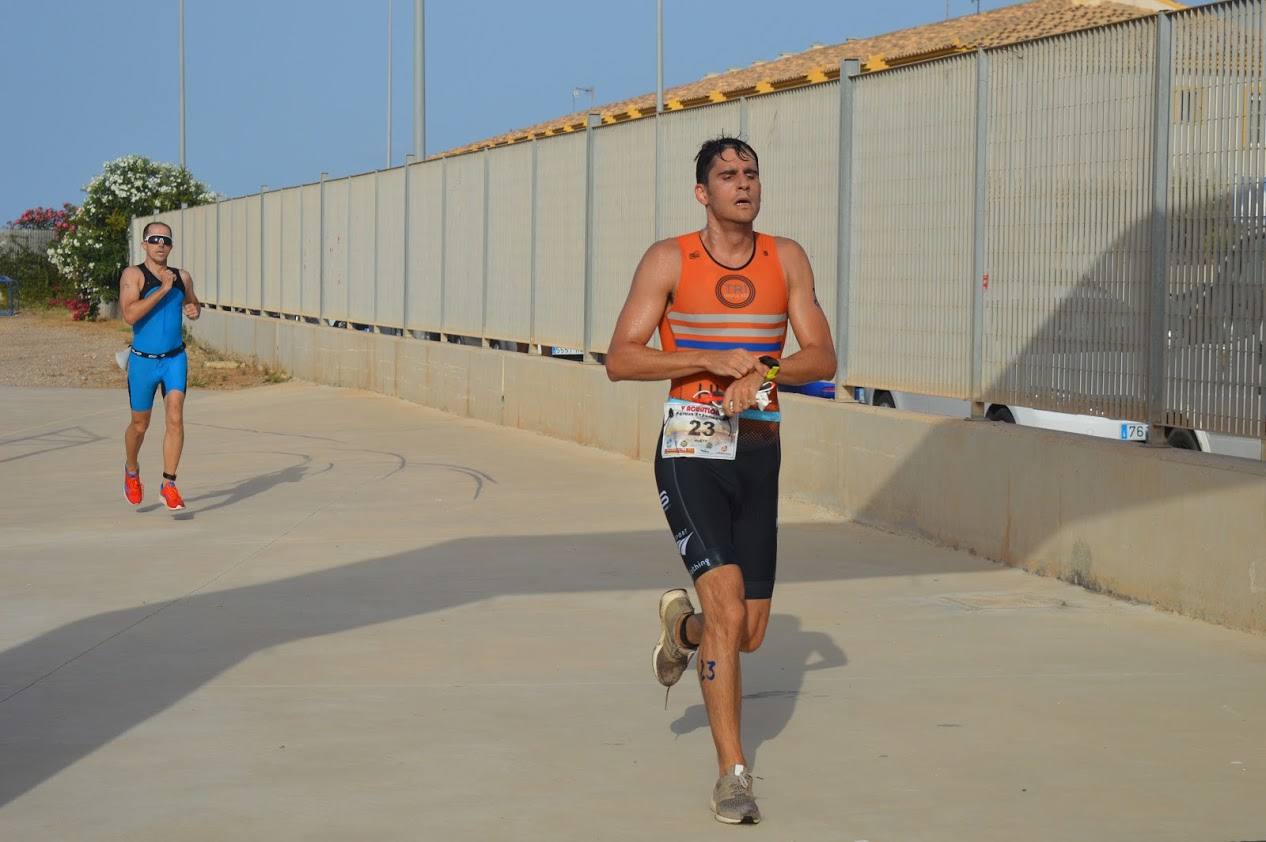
x: 732, y: 798
x: 670, y: 659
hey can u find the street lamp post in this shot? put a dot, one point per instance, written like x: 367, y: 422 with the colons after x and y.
x: 389, y: 84
x: 419, y: 83
x: 183, y: 164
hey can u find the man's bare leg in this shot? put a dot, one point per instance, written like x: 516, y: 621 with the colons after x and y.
x: 174, y: 439
x: 733, y: 625
x: 134, y: 437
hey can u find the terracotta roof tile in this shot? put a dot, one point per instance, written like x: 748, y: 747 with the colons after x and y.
x: 999, y: 27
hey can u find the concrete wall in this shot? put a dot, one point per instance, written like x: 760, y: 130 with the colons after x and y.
x: 1181, y: 530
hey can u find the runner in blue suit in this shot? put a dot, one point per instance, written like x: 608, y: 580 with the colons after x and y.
x: 153, y: 297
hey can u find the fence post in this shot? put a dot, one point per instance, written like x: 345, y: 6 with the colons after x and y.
x: 1162, y: 104
x: 483, y: 295
x: 980, y: 272
x: 532, y: 275
x: 404, y: 304
x: 375, y: 328
x: 593, y: 120
x: 849, y: 68
x: 263, y: 283
x: 219, y: 267
x: 443, y: 244
x: 321, y: 254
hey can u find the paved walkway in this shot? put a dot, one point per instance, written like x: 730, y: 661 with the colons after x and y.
x: 379, y: 622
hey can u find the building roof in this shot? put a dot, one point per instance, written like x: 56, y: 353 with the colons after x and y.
x: 996, y: 28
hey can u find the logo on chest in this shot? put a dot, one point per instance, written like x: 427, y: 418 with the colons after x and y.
x: 735, y: 291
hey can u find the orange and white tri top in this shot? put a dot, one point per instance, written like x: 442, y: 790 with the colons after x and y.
x: 717, y: 307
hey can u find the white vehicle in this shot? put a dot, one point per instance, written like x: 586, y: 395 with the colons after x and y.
x: 1088, y: 425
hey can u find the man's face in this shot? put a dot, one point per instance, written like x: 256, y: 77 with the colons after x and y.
x: 733, y: 189
x: 157, y: 251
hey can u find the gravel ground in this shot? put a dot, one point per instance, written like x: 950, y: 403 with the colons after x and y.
x: 47, y: 348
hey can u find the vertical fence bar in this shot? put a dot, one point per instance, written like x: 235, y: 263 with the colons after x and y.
x: 320, y: 254
x: 1157, y: 297
x: 219, y: 269
x: 980, y: 272
x: 849, y: 68
x: 659, y: 172
x: 404, y: 284
x: 443, y: 242
x: 377, y: 248
x: 743, y: 118
x: 483, y: 274
x: 532, y: 279
x: 591, y: 121
x: 263, y: 284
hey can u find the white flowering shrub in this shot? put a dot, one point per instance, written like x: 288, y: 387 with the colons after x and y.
x: 94, y: 248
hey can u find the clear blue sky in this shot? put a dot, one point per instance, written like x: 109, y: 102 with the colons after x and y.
x: 279, y: 90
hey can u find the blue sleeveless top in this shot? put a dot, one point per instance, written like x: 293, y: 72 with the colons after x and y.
x: 160, y: 330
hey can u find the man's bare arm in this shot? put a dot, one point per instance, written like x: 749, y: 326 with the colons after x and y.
x: 629, y: 358
x: 133, y: 307
x: 193, y: 307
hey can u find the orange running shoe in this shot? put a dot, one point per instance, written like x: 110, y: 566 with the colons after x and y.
x: 171, y: 496
x: 132, y: 488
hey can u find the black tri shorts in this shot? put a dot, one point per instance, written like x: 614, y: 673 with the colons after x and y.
x: 725, y: 511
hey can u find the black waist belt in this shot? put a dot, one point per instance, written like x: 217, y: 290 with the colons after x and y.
x: 173, y: 352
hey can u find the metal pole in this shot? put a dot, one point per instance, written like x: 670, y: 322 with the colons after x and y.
x: 388, y: 84
x: 591, y: 122
x: 980, y: 272
x: 659, y: 57
x: 404, y: 312
x: 419, y: 83
x: 483, y: 283
x: 1162, y: 104
x: 263, y: 217
x: 321, y: 255
x: 183, y: 163
x: 536, y: 211
x: 849, y: 68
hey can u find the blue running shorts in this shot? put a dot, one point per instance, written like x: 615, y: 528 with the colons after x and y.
x: 144, y: 376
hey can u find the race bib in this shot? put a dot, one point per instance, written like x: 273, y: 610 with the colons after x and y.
x: 698, y: 431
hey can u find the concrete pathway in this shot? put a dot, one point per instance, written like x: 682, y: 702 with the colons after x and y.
x: 379, y: 622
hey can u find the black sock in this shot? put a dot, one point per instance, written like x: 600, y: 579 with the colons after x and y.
x: 681, y: 635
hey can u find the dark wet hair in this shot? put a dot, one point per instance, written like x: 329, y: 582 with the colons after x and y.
x: 712, y: 149
x: 145, y: 233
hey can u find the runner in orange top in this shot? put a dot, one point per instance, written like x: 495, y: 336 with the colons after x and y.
x: 722, y: 299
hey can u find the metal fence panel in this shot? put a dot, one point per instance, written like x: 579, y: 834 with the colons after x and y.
x: 291, y: 255
x: 271, y: 261
x: 913, y: 164
x: 426, y: 245
x: 238, y: 215
x: 509, y: 304
x: 624, y: 217
x: 254, y: 294
x: 560, y: 241
x: 189, y: 235
x: 361, y: 244
x: 464, y: 246
x: 681, y: 133
x: 1069, y: 216
x: 210, y: 280
x: 334, y: 251
x: 134, y: 239
x: 1217, y: 221
x: 310, y: 251
x: 389, y: 289
x: 797, y: 135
